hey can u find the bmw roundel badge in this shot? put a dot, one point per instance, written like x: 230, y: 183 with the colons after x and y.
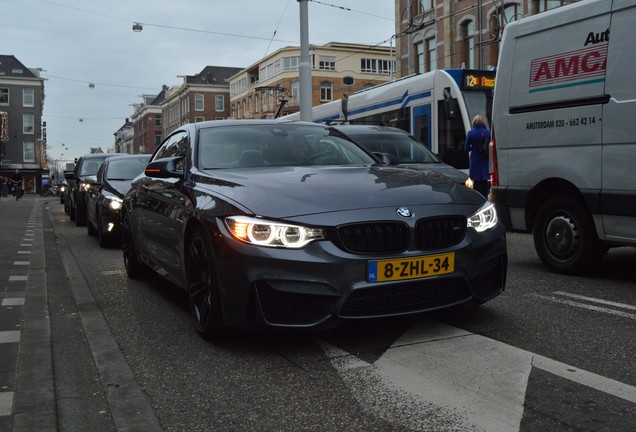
x: 405, y: 213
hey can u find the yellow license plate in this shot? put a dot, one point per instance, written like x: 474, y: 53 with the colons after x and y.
x: 410, y: 268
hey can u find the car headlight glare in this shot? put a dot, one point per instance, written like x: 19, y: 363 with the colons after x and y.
x: 115, y: 203
x: 85, y: 186
x: 268, y: 233
x: 484, y: 219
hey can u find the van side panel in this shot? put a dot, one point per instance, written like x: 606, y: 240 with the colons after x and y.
x: 553, y: 127
x: 618, y: 198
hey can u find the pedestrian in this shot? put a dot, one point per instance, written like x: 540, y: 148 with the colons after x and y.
x: 478, y: 169
x: 17, y: 184
x: 4, y: 190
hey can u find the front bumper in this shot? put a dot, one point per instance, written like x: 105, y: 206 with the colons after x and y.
x: 321, y: 285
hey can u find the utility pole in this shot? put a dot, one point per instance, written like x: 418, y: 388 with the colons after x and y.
x: 304, y: 68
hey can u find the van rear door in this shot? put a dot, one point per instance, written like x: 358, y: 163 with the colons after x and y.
x: 618, y: 195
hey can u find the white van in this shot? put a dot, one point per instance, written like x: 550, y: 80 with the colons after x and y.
x: 564, y: 121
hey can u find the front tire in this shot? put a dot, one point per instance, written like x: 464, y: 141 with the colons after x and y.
x: 565, y: 238
x: 203, y: 290
x: 80, y: 213
x: 135, y: 268
x: 103, y: 238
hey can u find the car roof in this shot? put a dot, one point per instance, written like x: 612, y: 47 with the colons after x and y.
x: 353, y: 129
x: 101, y: 155
x: 129, y: 156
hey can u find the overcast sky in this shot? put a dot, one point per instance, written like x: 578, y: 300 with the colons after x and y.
x: 79, y: 42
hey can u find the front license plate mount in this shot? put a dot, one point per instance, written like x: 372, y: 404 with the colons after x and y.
x: 410, y: 268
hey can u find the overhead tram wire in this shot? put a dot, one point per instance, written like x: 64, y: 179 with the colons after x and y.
x: 277, y: 27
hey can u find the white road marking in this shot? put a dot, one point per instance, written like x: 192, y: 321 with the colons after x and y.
x: 588, y: 379
x: 596, y: 300
x: 438, y: 377
x: 6, y: 402
x: 588, y: 306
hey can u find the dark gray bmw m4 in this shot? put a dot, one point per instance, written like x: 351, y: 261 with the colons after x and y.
x: 288, y: 224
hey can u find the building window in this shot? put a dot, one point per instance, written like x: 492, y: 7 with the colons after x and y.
x: 157, y: 139
x: 219, y: 103
x: 4, y: 96
x: 418, y: 49
x: 257, y: 103
x: 291, y: 63
x: 198, y: 102
x: 28, y: 124
x: 431, y: 54
x: 157, y: 120
x: 28, y: 97
x: 512, y: 12
x: 296, y: 89
x: 377, y: 66
x: 199, y: 119
x: 326, y: 91
x: 468, y: 32
x: 544, y: 5
x: 28, y: 152
x: 327, y: 63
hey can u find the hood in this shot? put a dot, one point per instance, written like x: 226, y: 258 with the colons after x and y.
x: 294, y: 191
x: 451, y: 172
x: 118, y: 187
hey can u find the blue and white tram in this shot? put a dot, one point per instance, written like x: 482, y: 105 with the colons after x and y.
x: 436, y: 107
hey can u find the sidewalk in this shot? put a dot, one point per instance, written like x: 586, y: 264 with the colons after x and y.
x: 27, y: 390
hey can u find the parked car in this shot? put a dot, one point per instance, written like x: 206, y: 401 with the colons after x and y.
x: 86, y: 167
x: 105, y: 195
x: 398, y: 147
x: 289, y: 224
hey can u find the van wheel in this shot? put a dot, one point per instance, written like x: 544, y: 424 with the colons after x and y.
x: 565, y: 238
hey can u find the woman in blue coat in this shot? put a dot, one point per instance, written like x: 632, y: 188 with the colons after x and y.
x: 478, y: 171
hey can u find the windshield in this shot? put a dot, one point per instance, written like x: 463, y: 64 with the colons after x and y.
x: 126, y: 169
x: 276, y: 145
x: 478, y: 103
x: 404, y: 147
x: 91, y: 166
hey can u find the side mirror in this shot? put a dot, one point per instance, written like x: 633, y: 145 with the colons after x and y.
x: 165, y: 168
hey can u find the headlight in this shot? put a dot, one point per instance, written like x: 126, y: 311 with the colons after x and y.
x: 115, y: 203
x: 85, y: 187
x: 62, y: 189
x: 267, y: 233
x: 484, y: 219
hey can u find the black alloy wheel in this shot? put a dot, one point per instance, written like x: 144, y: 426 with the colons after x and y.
x: 135, y: 269
x: 90, y: 228
x: 103, y: 238
x: 203, y: 291
x: 80, y: 213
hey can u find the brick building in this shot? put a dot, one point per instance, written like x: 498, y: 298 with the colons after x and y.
x: 201, y: 97
x: 436, y: 34
x: 22, y: 134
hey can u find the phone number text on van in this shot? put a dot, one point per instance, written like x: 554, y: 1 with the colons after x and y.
x: 579, y: 121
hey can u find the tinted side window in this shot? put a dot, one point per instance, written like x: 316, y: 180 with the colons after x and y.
x: 175, y: 145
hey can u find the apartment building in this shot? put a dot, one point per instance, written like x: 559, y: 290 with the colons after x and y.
x: 438, y: 34
x: 201, y: 97
x: 146, y: 123
x: 271, y: 86
x: 22, y: 133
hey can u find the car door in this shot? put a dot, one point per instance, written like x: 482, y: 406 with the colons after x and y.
x: 162, y: 202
